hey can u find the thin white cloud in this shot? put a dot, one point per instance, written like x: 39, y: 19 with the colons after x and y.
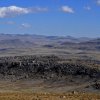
x: 98, y: 2
x: 87, y: 8
x: 39, y: 9
x: 67, y: 9
x: 7, y: 22
x: 25, y: 25
x: 14, y: 10
x: 10, y: 22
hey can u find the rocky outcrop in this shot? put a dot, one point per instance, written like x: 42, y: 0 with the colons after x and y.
x: 45, y: 67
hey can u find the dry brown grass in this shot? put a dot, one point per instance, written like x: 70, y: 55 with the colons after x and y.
x: 49, y: 96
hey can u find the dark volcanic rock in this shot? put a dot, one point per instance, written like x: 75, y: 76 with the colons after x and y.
x: 96, y: 86
x: 45, y: 67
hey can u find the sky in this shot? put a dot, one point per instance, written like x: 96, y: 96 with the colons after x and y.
x: 78, y: 18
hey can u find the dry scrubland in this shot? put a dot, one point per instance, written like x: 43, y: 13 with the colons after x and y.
x: 47, y: 96
x: 76, y: 67
x: 49, y: 78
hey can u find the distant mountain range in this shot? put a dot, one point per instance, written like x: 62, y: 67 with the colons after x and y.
x: 30, y: 41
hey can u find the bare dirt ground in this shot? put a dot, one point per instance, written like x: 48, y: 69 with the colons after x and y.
x: 48, y: 96
x: 30, y: 90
